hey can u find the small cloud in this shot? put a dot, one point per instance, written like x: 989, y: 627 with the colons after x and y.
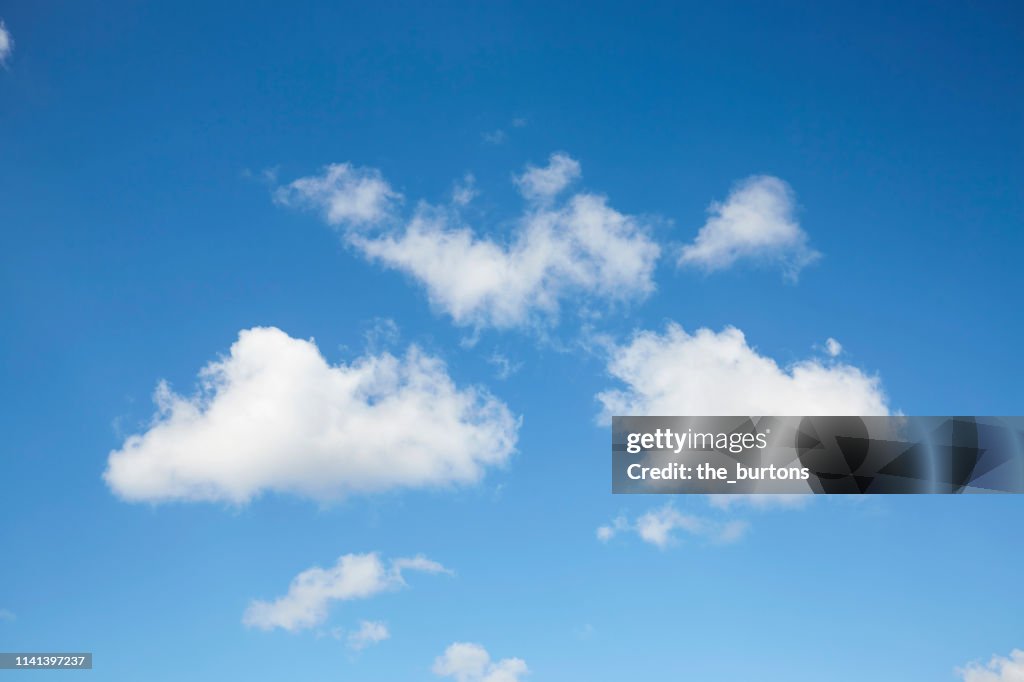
x: 658, y: 528
x: 354, y: 576
x: 732, y: 531
x: 543, y: 183
x: 7, y: 616
x: 500, y: 135
x: 6, y: 44
x: 585, y: 632
x: 382, y: 333
x: 368, y: 634
x: 495, y: 136
x: 344, y: 194
x: 505, y: 367
x: 618, y: 524
x: 833, y: 347
x: 999, y: 669
x: 466, y: 662
x: 464, y: 191
x: 267, y: 176
x: 757, y: 222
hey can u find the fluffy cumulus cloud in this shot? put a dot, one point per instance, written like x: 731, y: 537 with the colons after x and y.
x: 659, y: 527
x: 465, y: 662
x: 6, y: 43
x: 353, y: 577
x: 999, y: 669
x: 578, y: 246
x: 756, y: 221
x: 712, y: 372
x: 368, y: 634
x: 584, y: 247
x: 274, y: 415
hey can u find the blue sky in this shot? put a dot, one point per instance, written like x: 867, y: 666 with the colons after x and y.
x: 152, y: 208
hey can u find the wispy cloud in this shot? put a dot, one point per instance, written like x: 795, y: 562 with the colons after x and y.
x: 6, y: 43
x: 353, y: 577
x: 495, y: 136
x: 368, y: 634
x: 501, y: 135
x: 381, y: 333
x: 659, y: 527
x: 465, y: 190
x: 505, y: 367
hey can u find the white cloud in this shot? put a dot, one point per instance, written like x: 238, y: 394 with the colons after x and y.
x: 505, y: 367
x: 467, y: 662
x: 657, y: 527
x: 544, y: 183
x: 584, y: 248
x: 495, y: 136
x: 711, y: 373
x: 999, y: 669
x: 274, y: 415
x: 6, y: 615
x: 755, y: 221
x: 464, y: 192
x: 6, y: 43
x: 354, y: 576
x: 345, y: 195
x: 578, y: 247
x: 618, y: 525
x: 833, y: 347
x: 581, y: 248
x: 381, y: 333
x: 369, y: 633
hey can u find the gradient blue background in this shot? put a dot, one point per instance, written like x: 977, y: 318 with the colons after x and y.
x: 136, y: 245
